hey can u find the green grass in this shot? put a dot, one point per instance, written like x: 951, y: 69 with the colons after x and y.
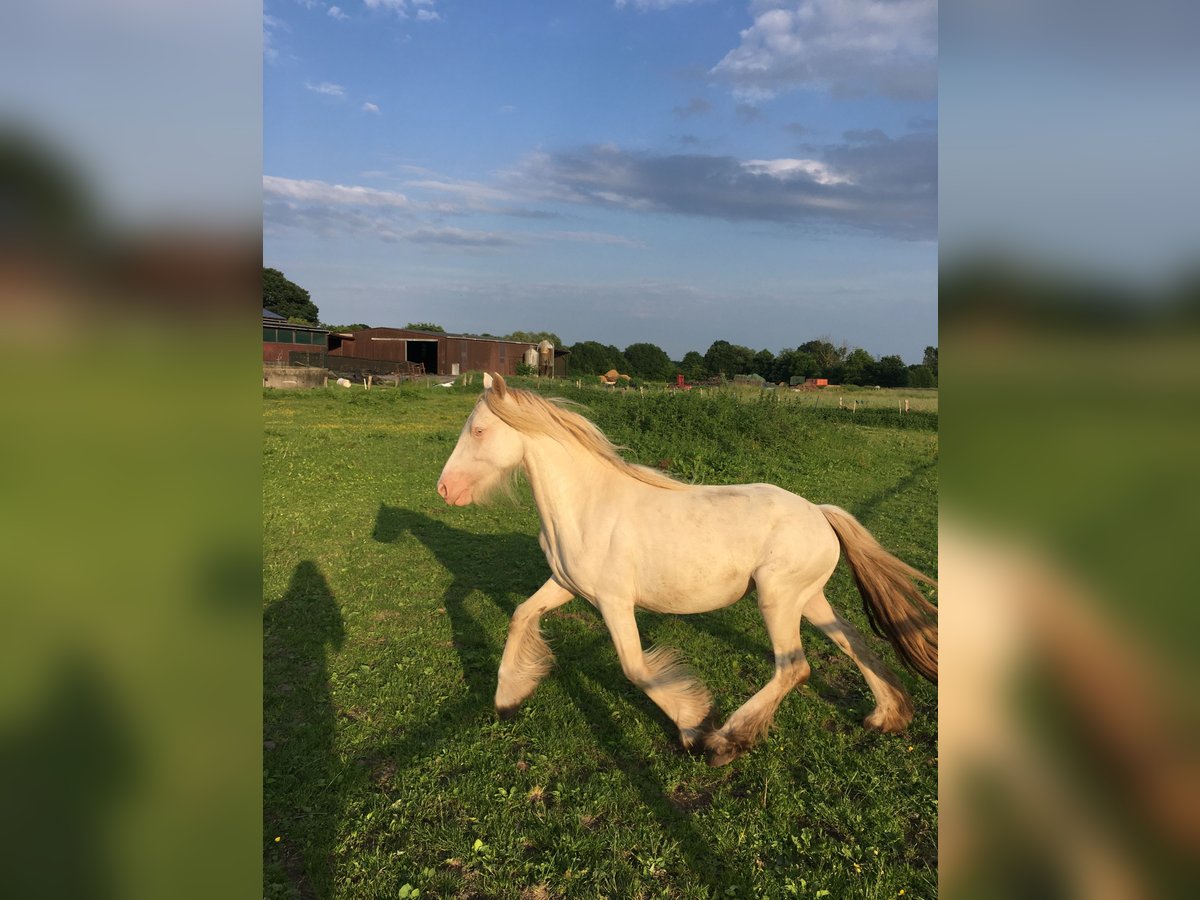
x: 386, y: 772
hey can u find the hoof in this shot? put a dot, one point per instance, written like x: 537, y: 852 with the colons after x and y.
x: 889, y: 722
x: 504, y: 713
x: 720, y: 751
x: 693, y: 739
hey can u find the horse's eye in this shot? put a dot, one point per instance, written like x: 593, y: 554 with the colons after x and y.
x: 477, y: 431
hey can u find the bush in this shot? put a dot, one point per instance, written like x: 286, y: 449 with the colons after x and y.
x: 526, y: 369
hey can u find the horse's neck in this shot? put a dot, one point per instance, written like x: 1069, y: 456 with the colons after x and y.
x: 565, y: 479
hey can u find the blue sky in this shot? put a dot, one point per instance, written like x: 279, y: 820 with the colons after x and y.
x: 674, y: 172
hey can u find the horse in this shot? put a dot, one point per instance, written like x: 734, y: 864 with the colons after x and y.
x: 625, y: 536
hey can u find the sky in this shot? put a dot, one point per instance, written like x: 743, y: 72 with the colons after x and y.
x: 641, y: 170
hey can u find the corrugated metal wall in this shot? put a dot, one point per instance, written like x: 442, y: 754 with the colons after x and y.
x: 280, y: 353
x: 470, y: 354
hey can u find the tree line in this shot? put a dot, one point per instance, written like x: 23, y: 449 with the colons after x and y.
x: 819, y: 358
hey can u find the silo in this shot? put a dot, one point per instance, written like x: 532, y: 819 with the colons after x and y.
x: 531, y: 357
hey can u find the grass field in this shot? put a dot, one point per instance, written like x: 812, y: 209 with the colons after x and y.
x: 386, y: 773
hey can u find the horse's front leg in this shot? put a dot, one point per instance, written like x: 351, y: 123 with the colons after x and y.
x: 527, y: 657
x: 660, y: 674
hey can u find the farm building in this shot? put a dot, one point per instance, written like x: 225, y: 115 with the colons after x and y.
x: 433, y: 352
x: 297, y: 345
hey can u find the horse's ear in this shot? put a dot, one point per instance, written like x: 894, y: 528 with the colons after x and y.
x: 494, y: 383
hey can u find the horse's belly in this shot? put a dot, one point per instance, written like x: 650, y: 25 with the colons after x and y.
x: 693, y: 596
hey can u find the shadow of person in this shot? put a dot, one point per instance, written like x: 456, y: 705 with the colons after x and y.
x: 301, y: 789
x: 65, y: 769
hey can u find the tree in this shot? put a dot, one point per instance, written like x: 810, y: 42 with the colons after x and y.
x: 827, y: 356
x: 791, y: 364
x: 931, y: 360
x: 764, y: 364
x: 649, y: 361
x: 858, y: 367
x: 534, y: 337
x: 287, y: 298
x: 357, y: 326
x: 425, y: 326
x: 692, y: 366
x: 890, y: 371
x: 728, y: 359
x: 921, y: 376
x: 593, y: 358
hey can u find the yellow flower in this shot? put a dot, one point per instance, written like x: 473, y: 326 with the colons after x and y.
x: 278, y: 839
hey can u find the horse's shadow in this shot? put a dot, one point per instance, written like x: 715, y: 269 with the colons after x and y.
x: 486, y: 564
x: 476, y: 563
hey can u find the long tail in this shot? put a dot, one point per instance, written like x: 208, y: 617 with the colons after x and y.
x: 894, y: 605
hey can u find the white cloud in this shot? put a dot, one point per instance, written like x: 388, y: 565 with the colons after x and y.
x: 476, y: 195
x: 335, y: 12
x: 507, y: 108
x: 307, y: 191
x: 326, y: 88
x: 370, y: 107
x: 270, y: 26
x: 843, y: 46
x: 423, y: 8
x: 786, y: 169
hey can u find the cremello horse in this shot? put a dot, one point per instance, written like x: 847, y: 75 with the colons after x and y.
x: 624, y: 536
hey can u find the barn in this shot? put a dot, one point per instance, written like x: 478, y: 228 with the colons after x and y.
x: 285, y: 344
x: 432, y: 352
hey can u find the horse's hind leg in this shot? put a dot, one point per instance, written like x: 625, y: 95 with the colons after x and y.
x: 660, y: 674
x: 749, y: 723
x: 893, y: 708
x: 527, y: 657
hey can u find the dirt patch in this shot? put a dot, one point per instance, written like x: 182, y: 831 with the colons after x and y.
x: 687, y: 799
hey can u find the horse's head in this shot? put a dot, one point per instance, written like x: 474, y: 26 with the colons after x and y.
x: 487, y: 452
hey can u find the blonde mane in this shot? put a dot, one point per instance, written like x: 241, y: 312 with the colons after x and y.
x: 531, y: 414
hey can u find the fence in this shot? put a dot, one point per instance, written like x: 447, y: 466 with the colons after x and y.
x: 357, y: 367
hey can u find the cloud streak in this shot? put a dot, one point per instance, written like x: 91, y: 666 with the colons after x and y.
x: 333, y: 210
x: 321, y: 192
x: 886, y: 186
x: 326, y: 88
x: 422, y: 9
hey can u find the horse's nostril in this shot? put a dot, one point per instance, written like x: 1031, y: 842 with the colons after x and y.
x: 441, y: 489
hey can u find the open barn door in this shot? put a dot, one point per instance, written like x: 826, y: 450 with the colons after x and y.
x: 423, y: 352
